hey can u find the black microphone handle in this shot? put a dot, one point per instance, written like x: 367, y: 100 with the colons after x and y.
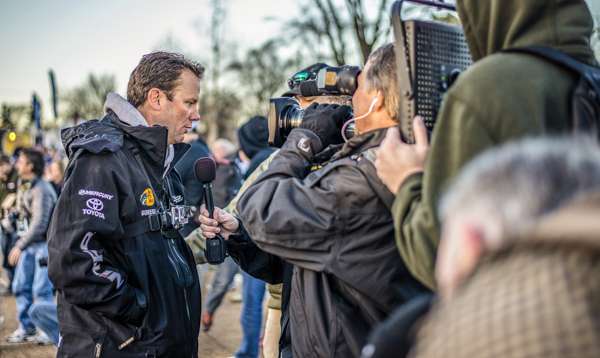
x: 208, y: 199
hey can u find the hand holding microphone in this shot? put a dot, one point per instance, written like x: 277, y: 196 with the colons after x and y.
x: 205, y: 170
x: 222, y: 223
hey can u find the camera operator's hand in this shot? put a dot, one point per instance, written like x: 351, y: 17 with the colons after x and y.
x: 326, y: 121
x: 223, y: 223
x: 397, y: 160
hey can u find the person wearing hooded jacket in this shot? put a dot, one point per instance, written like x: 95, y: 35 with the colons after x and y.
x: 331, y: 226
x: 125, y: 278
x: 519, y: 258
x: 501, y: 97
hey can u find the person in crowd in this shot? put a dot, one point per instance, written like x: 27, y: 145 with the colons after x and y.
x: 126, y: 280
x: 222, y: 149
x: 232, y: 164
x: 254, y: 149
x: 55, y: 173
x: 277, y: 273
x: 501, y: 97
x: 45, y: 317
x: 518, y: 264
x: 8, y: 189
x: 8, y: 177
x: 35, y: 202
x: 185, y: 167
x: 333, y: 224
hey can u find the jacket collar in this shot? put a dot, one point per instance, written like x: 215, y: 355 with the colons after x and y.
x: 576, y: 224
x: 152, y: 140
x: 360, y: 143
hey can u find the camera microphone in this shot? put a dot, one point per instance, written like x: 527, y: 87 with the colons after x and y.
x: 205, y: 170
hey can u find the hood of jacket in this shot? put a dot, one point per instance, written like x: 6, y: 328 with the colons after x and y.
x: 107, y: 134
x: 494, y: 25
x: 575, y: 224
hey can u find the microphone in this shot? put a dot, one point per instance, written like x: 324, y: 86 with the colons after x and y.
x: 205, y: 170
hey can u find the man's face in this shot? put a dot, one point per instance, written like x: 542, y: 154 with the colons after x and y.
x: 4, y: 170
x: 24, y: 167
x: 179, y: 113
x: 461, y: 247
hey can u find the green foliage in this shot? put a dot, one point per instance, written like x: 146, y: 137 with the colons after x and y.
x: 86, y: 101
x: 262, y: 74
x: 343, y: 27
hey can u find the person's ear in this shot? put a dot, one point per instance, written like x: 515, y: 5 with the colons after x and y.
x: 460, y: 250
x: 473, y: 250
x: 155, y: 99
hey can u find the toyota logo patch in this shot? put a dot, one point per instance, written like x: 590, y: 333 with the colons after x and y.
x: 95, y: 204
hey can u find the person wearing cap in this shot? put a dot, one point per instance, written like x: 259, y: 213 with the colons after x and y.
x: 230, y: 175
x: 330, y: 224
x: 260, y: 264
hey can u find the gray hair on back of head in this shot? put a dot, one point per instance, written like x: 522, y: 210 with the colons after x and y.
x: 507, y: 189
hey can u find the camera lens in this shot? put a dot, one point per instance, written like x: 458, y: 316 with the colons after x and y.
x: 291, y: 117
x: 285, y: 114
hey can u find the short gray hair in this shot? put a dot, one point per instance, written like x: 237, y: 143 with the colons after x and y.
x: 381, y: 75
x: 158, y: 70
x: 508, y: 188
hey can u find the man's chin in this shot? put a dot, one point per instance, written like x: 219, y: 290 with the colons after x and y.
x: 178, y: 139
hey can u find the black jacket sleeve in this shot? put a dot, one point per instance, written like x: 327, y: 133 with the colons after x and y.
x: 254, y: 261
x: 297, y: 216
x: 84, y: 231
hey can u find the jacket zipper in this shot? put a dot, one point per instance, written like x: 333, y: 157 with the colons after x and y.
x: 127, y: 342
x: 98, y: 350
x: 187, y: 311
x: 184, y: 266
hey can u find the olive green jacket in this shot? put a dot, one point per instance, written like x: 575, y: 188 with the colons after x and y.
x: 501, y: 97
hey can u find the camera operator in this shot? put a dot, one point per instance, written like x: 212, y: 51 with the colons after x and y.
x: 332, y: 225
x: 501, y: 97
x: 255, y: 262
x: 126, y: 280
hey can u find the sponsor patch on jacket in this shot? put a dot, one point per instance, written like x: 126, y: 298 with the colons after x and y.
x: 99, y: 194
x: 94, y: 207
x: 147, y: 197
x: 177, y: 199
x: 304, y: 145
x: 149, y: 212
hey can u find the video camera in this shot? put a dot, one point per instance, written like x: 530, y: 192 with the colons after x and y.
x: 285, y: 113
x: 430, y: 56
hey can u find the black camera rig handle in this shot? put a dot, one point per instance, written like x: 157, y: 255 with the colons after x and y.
x: 404, y: 76
x: 405, y: 82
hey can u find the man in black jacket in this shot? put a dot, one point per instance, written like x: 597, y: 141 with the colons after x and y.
x: 332, y: 224
x: 126, y: 280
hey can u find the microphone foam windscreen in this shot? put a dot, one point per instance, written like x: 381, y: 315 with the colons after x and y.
x: 205, y: 169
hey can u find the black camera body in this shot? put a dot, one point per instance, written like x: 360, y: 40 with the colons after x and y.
x: 216, y: 250
x: 323, y: 80
x: 285, y: 113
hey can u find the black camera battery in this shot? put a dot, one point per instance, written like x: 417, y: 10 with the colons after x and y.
x: 215, y: 251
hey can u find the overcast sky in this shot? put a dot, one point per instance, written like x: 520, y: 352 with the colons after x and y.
x: 76, y: 37
x: 81, y: 36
